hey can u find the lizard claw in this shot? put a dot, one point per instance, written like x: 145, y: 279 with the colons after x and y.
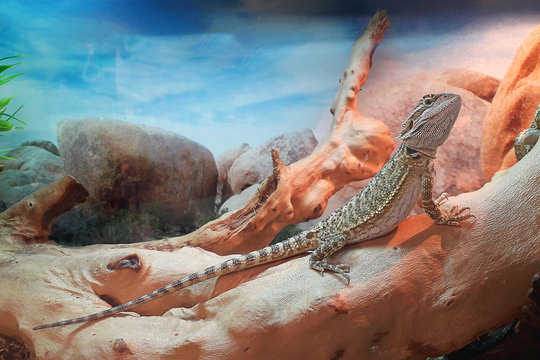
x: 442, y: 199
x: 342, y: 269
x: 453, y: 216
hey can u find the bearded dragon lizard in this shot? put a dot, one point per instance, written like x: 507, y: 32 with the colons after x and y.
x: 375, y: 211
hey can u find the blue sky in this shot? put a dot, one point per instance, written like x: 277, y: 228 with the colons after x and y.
x: 222, y: 75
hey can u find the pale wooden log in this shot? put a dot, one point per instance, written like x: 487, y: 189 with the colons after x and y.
x: 423, y: 290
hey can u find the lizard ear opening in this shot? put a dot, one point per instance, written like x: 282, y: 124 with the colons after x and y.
x: 408, y: 124
x: 415, y: 129
x: 405, y: 127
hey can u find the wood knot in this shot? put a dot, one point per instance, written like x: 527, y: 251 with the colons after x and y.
x: 129, y: 262
x: 120, y: 346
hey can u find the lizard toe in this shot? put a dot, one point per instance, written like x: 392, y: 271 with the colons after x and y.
x: 322, y: 266
x: 442, y: 199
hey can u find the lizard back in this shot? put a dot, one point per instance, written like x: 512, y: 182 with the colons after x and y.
x: 384, y: 202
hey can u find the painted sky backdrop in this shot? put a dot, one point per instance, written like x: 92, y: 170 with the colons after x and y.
x: 227, y: 72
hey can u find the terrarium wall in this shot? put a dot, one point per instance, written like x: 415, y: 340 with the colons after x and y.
x: 197, y: 130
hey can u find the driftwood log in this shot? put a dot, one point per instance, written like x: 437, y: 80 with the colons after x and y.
x: 423, y: 290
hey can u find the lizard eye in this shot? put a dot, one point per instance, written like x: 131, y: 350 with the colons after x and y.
x: 428, y: 101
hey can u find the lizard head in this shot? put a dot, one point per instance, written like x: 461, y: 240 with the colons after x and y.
x: 430, y: 123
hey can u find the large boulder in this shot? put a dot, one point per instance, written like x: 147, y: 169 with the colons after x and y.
x: 481, y: 85
x: 253, y: 166
x: 36, y: 164
x: 513, y: 106
x: 138, y: 168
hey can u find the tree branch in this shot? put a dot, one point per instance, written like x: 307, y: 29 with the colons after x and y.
x: 356, y: 149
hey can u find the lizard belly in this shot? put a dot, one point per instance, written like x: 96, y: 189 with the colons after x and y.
x: 390, y: 218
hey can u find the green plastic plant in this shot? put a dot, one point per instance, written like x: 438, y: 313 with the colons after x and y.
x: 6, y: 119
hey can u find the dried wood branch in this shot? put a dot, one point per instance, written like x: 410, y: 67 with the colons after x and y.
x: 356, y: 149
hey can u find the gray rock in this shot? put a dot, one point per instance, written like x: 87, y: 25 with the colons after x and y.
x: 44, y: 144
x: 32, y: 168
x: 139, y: 168
x: 224, y: 164
x: 255, y: 165
x: 238, y: 201
x: 227, y: 159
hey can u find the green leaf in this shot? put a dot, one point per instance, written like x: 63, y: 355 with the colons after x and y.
x: 11, y: 57
x: 6, y: 157
x: 5, y: 126
x: 12, y: 116
x: 3, y: 81
x: 4, y: 102
x: 5, y: 67
x: 16, y: 111
x: 19, y: 120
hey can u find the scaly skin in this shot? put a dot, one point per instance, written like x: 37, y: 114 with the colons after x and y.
x: 375, y: 211
x: 526, y: 140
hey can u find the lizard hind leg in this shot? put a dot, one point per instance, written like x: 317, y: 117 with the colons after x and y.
x: 329, y: 243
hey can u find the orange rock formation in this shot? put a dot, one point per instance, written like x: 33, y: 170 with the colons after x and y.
x: 513, y: 107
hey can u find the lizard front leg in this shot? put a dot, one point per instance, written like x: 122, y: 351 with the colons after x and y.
x: 432, y: 208
x: 329, y: 243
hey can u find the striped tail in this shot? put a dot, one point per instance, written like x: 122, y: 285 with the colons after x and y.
x: 285, y: 249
